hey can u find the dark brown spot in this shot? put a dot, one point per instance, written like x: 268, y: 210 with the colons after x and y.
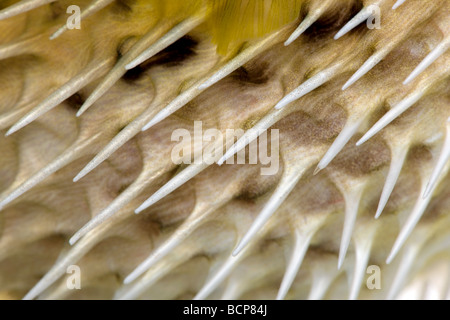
x: 252, y: 74
x: 75, y: 102
x: 362, y: 160
x: 173, y: 55
x: 334, y: 19
x: 57, y: 9
x: 123, y: 6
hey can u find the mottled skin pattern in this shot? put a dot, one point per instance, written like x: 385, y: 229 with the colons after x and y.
x: 211, y: 212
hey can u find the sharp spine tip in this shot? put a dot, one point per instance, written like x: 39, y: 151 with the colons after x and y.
x: 83, y: 108
x: 392, y: 114
x: 408, y: 227
x: 398, y: 4
x: 304, y: 25
x: 440, y: 49
x: 398, y: 159
x: 282, y: 191
x: 119, y: 140
x: 339, y: 143
x: 170, y: 37
x: 363, y: 15
x: 155, y: 120
x: 218, y: 277
x: 221, y: 161
x: 16, y: 127
x: 317, y: 170
x: 443, y: 158
x: 117, y: 204
x: 130, y: 66
x: 82, y: 173
x: 149, y: 202
x: 368, y: 65
x: 302, y: 242
x: 164, y: 249
x: 278, y: 106
x: 73, y: 240
x: 59, y: 32
x: 351, y: 212
x: 61, y: 161
x: 203, y: 86
x: 128, y: 279
x: 238, y: 61
x: 306, y: 87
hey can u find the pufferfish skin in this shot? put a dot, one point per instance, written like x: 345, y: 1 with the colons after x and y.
x: 354, y: 94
